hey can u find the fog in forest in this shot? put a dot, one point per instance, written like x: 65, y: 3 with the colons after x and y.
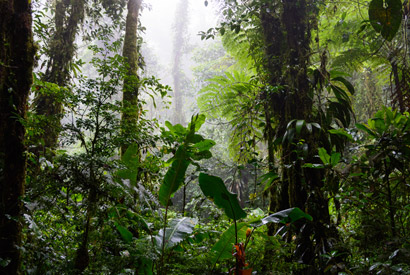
x: 163, y: 22
x: 240, y: 137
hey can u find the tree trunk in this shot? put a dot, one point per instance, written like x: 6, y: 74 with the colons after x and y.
x: 286, y: 34
x: 16, y: 66
x: 131, y: 82
x: 68, y: 16
x: 180, y: 27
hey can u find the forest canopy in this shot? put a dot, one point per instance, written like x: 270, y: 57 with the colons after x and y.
x: 276, y: 141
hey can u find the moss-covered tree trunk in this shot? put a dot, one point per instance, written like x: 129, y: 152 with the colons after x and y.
x: 16, y: 66
x: 131, y: 82
x: 67, y: 19
x: 287, y: 38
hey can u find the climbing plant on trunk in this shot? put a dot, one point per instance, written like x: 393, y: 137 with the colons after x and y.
x: 16, y: 66
x: 131, y: 82
x: 48, y: 103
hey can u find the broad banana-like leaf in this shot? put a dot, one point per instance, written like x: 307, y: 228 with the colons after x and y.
x: 178, y: 230
x: 195, y: 147
x: 285, y: 216
x: 385, y: 17
x: 215, y: 189
x: 174, y: 177
x: 222, y: 249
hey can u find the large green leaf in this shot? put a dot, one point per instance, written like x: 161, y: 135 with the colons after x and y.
x: 178, y: 230
x: 194, y: 147
x: 125, y: 233
x: 299, y: 125
x: 222, y: 249
x: 175, y: 176
x: 285, y: 216
x: 385, y: 17
x: 214, y: 188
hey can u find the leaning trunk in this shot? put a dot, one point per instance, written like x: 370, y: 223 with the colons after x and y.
x: 16, y: 66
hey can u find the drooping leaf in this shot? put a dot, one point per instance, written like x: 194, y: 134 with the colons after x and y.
x: 194, y: 147
x: 222, y: 249
x: 174, y: 177
x: 366, y: 129
x: 345, y: 82
x: 285, y: 216
x: 341, y: 132
x: 214, y: 188
x: 299, y: 126
x: 178, y: 230
x: 268, y: 178
x: 125, y: 233
x: 385, y: 17
x: 340, y: 93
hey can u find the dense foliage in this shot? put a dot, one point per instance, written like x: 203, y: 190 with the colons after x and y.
x: 297, y: 160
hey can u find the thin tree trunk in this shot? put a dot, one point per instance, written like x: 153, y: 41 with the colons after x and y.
x: 180, y: 27
x: 131, y: 82
x: 398, y: 89
x: 16, y: 66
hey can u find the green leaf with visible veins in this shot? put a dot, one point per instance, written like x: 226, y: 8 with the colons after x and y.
x: 174, y: 177
x: 222, y: 249
x: 214, y: 188
x: 178, y: 230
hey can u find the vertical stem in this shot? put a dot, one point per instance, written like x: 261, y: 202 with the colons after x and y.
x: 390, y: 200
x: 236, y: 237
x: 183, y: 202
x: 161, y: 267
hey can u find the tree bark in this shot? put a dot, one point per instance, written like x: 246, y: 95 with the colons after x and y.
x: 131, y: 82
x: 16, y: 66
x: 286, y: 33
x: 68, y: 16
